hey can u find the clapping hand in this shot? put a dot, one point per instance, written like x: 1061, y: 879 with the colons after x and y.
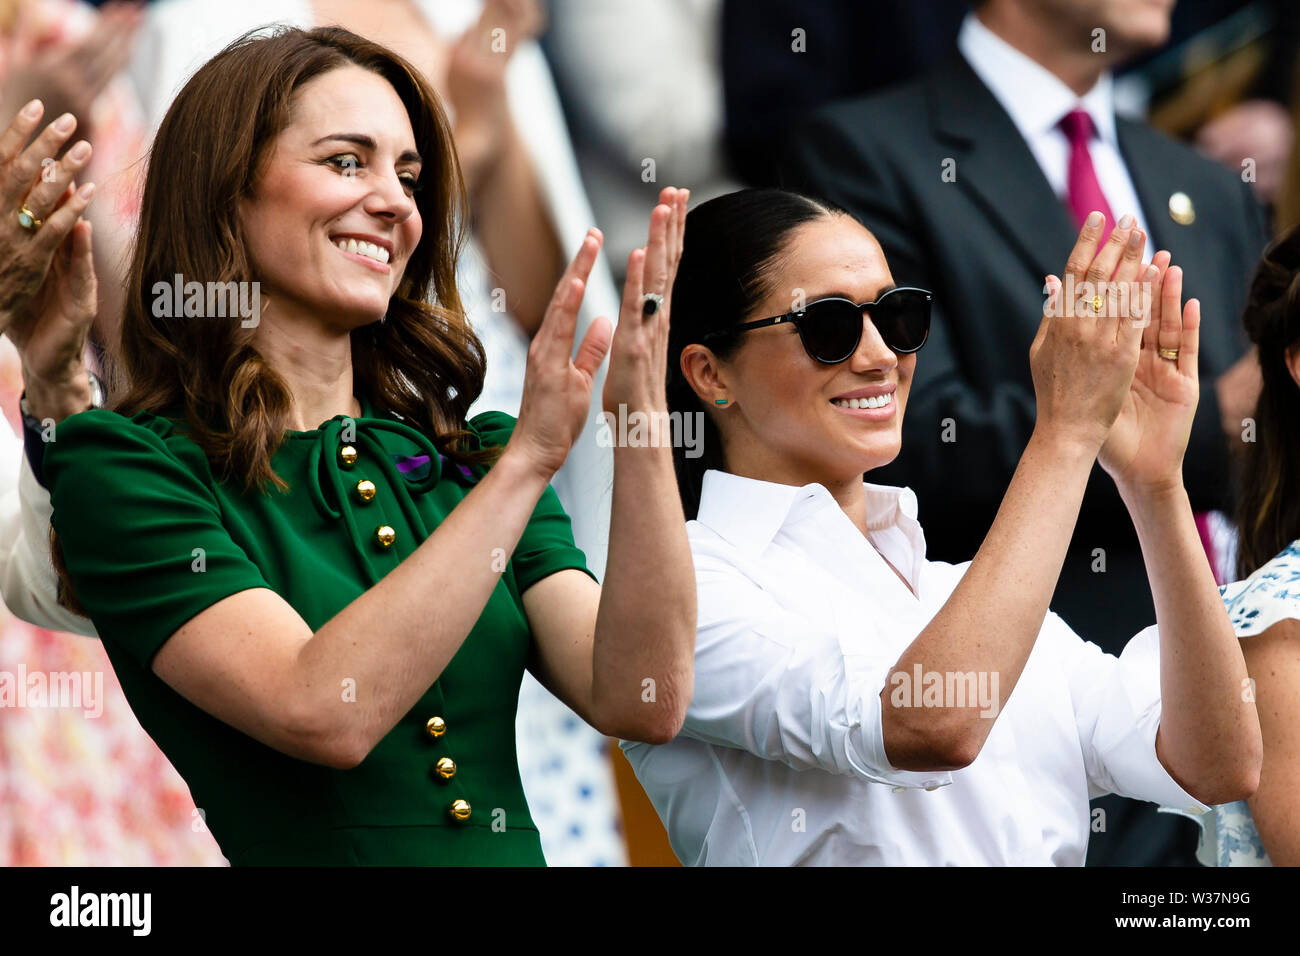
x: 1144, y: 451
x: 48, y: 294
x: 557, y: 385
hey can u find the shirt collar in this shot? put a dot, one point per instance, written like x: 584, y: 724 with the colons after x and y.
x: 1033, y: 96
x: 749, y: 513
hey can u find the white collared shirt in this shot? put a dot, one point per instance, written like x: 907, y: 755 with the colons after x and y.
x: 1036, y: 100
x: 781, y: 760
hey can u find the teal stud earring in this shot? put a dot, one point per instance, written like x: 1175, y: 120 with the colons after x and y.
x: 719, y: 401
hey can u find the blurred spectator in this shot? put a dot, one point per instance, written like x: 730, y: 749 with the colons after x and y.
x: 627, y: 138
x: 781, y: 59
x: 974, y: 178
x: 1225, y: 82
x: 71, y: 57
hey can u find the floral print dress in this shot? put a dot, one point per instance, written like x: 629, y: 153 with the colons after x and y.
x: 1271, y: 594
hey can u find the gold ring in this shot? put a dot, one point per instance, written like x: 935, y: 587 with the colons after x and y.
x: 1097, y: 302
x: 1171, y: 354
x: 27, y: 219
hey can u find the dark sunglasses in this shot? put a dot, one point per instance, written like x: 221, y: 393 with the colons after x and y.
x: 831, y: 329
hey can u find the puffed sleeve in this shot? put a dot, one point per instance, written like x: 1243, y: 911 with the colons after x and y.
x: 546, y: 546
x: 1117, y: 712
x: 776, y: 685
x: 131, y: 518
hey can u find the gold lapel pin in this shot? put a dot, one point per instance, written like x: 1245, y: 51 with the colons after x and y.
x: 1181, y: 209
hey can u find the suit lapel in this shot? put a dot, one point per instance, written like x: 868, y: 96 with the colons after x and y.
x: 996, y: 167
x: 1155, y: 180
x: 1197, y: 248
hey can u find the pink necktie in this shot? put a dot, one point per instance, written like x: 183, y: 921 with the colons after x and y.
x: 1084, y: 196
x: 1084, y: 191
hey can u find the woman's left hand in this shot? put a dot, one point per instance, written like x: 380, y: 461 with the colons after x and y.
x: 1144, y: 451
x: 637, y: 376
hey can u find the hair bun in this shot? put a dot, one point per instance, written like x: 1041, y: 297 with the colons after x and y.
x: 1275, y: 293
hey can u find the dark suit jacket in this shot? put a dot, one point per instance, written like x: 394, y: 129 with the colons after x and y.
x: 983, y: 244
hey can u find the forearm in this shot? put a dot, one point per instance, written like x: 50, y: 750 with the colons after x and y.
x: 644, y: 644
x: 990, y: 622
x: 394, y: 640
x: 1209, y: 737
x: 514, y: 228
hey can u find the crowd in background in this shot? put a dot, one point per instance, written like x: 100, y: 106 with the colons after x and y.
x: 588, y: 110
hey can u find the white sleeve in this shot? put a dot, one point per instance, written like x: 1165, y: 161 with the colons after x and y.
x: 775, y: 685
x: 1117, y: 712
x: 27, y: 580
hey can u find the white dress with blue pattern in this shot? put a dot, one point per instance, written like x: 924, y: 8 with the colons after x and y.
x: 1271, y: 594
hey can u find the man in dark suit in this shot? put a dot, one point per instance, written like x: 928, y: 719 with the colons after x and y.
x: 973, y: 178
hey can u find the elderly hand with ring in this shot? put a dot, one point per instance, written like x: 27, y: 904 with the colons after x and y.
x: 48, y: 294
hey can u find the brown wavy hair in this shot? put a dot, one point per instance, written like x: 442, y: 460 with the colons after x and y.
x: 423, y: 362
x: 1268, y: 505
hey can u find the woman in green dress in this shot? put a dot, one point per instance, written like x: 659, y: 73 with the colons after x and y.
x: 318, y: 583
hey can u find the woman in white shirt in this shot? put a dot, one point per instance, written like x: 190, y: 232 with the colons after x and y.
x: 855, y: 703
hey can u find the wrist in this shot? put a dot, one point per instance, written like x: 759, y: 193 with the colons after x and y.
x: 58, y: 398
x: 1067, y: 446
x: 1149, y: 494
x: 634, y: 382
x: 481, y: 151
x: 523, y: 469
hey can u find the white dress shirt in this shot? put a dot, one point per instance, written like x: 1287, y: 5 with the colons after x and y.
x: 1036, y: 100
x: 781, y: 760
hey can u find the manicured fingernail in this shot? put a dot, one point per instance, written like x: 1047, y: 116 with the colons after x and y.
x: 64, y: 123
x: 86, y: 191
x: 1126, y: 222
x: 1095, y: 219
x: 33, y: 109
x: 80, y: 151
x: 1151, y: 274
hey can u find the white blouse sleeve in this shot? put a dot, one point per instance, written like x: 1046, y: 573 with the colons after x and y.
x: 771, y: 683
x: 27, y: 580
x: 1117, y: 712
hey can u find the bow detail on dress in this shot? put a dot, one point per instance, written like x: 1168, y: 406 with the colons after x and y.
x: 323, y: 464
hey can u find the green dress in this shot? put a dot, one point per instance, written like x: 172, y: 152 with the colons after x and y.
x: 151, y: 539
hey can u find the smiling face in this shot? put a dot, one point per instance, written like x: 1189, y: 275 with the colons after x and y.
x: 332, y: 221
x: 790, y: 419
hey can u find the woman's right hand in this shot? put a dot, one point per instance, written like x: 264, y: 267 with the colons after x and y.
x: 1082, y: 358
